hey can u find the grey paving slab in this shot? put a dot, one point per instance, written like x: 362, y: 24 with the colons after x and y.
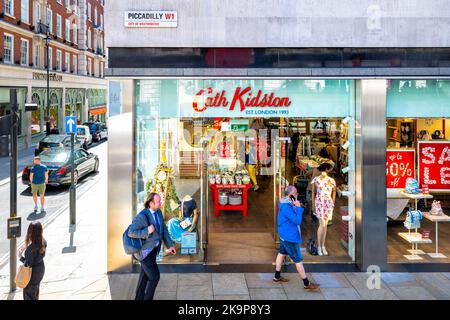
x: 412, y: 293
x: 165, y: 295
x: 168, y: 282
x: 377, y: 294
x: 359, y: 280
x: 301, y: 294
x: 232, y: 297
x: 340, y: 294
x: 331, y: 280
x: 194, y: 279
x: 195, y: 292
x: 446, y: 274
x: 437, y: 284
x: 268, y: 294
x: 398, y: 279
x: 261, y: 280
x: 229, y: 284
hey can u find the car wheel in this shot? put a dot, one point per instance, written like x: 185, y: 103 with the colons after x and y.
x: 96, y: 166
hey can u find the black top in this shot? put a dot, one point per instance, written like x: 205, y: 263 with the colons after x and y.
x: 32, y: 257
x: 188, y: 208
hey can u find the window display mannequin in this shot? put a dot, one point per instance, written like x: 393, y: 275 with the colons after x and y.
x: 323, y: 198
x: 188, y: 211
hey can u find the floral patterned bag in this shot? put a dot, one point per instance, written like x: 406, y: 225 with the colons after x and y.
x: 413, y: 219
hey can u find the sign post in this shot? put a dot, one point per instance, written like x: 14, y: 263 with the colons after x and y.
x: 71, y: 129
x: 13, y: 187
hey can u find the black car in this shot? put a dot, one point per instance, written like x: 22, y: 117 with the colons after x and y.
x: 55, y: 140
x: 98, y: 130
x: 57, y: 161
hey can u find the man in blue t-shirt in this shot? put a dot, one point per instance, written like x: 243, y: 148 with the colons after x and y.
x: 38, y: 179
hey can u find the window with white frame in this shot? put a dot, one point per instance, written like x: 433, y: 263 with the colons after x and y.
x: 101, y: 69
x: 9, y: 7
x: 75, y: 64
x: 101, y: 21
x: 89, y: 39
x: 50, y: 58
x: 67, y: 62
x: 75, y: 6
x: 25, y: 11
x: 8, y: 48
x: 58, y: 26
x: 67, y: 4
x: 89, y: 66
x: 75, y: 33
x: 95, y: 17
x: 50, y: 20
x: 59, y: 1
x: 89, y: 12
x: 24, y: 52
x: 58, y: 60
x: 37, y: 56
x: 68, y: 30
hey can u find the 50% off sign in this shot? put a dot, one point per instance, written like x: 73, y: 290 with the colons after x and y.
x: 400, y: 165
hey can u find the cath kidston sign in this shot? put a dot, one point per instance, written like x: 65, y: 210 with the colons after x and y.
x: 151, y: 19
x: 434, y: 164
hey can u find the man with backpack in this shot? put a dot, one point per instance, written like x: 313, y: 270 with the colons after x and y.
x: 149, y: 226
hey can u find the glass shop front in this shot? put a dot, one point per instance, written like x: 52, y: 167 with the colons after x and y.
x: 221, y: 152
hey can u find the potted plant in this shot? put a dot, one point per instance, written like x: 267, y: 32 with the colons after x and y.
x: 19, y: 22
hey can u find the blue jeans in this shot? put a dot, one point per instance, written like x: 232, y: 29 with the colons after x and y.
x: 149, y: 277
x: 292, y: 250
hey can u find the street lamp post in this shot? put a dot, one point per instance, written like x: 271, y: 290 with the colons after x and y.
x: 47, y: 111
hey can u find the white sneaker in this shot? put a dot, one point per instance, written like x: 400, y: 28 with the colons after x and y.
x: 319, y: 251
x: 324, y: 251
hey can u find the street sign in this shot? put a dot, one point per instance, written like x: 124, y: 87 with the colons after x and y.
x: 71, y: 125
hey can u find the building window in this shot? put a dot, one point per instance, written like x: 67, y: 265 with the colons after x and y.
x: 101, y: 69
x: 89, y: 38
x: 25, y: 10
x: 75, y: 33
x: 50, y: 20
x: 75, y: 6
x: 67, y: 4
x: 8, y: 48
x: 58, y: 26
x: 58, y: 60
x: 9, y: 7
x: 50, y: 58
x: 75, y: 64
x: 95, y: 17
x: 67, y: 62
x: 89, y: 71
x: 37, y: 56
x: 89, y: 13
x: 101, y: 21
x: 67, y: 30
x: 24, y: 52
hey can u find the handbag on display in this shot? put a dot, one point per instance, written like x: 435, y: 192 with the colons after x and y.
x: 23, y: 276
x: 413, y: 219
x: 436, y: 208
x: 425, y: 234
x: 412, y: 186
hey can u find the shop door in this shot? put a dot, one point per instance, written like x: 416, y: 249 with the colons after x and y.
x: 204, y: 199
x: 280, y: 181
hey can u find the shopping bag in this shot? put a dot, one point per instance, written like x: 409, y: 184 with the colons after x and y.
x: 23, y: 276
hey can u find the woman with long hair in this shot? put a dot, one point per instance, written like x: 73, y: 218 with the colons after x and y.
x: 32, y: 255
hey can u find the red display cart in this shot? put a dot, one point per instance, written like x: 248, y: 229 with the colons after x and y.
x: 215, y: 191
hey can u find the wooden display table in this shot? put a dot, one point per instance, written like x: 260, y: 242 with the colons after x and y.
x: 414, y: 238
x: 243, y: 207
x: 437, y: 219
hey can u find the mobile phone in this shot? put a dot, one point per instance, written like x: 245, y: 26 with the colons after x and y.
x: 292, y: 198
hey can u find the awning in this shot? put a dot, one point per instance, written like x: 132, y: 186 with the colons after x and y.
x: 97, y: 111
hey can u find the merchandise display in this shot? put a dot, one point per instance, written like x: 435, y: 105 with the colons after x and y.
x: 436, y: 208
x: 412, y: 186
x: 413, y: 219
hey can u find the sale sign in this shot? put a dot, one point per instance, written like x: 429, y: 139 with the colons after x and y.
x: 400, y: 165
x: 224, y: 150
x: 434, y: 164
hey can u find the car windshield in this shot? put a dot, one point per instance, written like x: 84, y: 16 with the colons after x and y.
x: 56, y: 156
x: 81, y: 131
x: 52, y: 139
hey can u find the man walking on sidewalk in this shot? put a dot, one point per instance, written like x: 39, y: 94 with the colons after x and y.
x: 289, y: 221
x: 38, y: 179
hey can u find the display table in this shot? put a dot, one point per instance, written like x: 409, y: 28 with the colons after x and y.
x: 215, y: 190
x: 414, y: 238
x: 416, y: 197
x: 437, y: 219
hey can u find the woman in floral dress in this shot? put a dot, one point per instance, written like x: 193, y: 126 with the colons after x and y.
x: 323, y: 198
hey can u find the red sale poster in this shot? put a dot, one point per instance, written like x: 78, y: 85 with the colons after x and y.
x: 434, y: 164
x: 224, y: 150
x: 400, y: 165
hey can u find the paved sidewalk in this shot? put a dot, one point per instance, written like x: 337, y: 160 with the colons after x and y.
x: 25, y: 157
x: 81, y: 274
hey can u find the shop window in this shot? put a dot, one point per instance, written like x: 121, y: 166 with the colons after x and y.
x: 418, y: 170
x: 36, y: 115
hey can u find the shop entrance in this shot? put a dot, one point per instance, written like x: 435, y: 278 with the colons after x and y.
x: 246, y: 164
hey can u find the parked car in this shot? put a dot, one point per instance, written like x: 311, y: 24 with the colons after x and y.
x: 57, y: 161
x: 56, y: 140
x: 84, y: 133
x: 98, y: 130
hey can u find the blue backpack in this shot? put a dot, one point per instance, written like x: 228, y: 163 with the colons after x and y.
x: 132, y: 245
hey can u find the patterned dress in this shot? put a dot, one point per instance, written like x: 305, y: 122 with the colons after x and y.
x: 324, y: 204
